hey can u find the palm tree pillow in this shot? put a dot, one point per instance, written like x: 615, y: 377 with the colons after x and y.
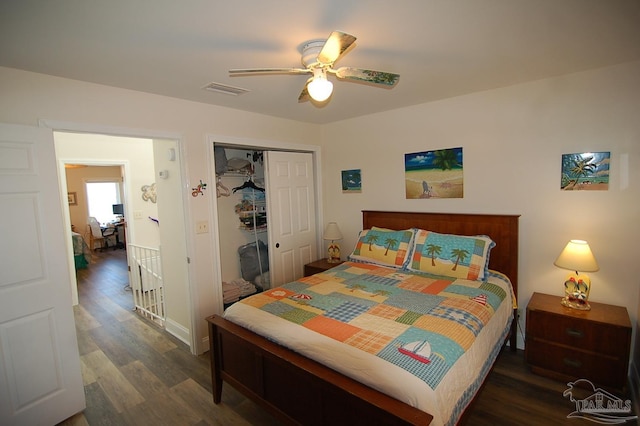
x: 384, y: 247
x: 454, y: 256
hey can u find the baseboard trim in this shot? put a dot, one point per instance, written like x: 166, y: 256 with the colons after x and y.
x: 178, y: 331
x: 204, y: 345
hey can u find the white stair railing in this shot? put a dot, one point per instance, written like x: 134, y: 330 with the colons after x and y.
x: 145, y: 279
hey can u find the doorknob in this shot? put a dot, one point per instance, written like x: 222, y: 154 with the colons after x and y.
x: 277, y: 245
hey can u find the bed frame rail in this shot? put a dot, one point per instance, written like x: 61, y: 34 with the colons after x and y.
x: 295, y: 389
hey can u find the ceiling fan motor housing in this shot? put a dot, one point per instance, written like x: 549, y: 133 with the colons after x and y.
x: 310, y: 52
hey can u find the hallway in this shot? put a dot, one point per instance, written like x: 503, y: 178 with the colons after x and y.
x: 135, y: 373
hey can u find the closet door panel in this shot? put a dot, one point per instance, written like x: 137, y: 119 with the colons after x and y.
x: 292, y: 214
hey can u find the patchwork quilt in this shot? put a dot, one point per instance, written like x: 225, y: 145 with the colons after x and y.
x: 419, y: 322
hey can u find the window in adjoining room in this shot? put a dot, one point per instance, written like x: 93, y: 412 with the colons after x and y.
x: 101, y: 196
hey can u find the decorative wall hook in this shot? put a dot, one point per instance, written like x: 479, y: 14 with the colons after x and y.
x: 149, y: 193
x: 198, y: 190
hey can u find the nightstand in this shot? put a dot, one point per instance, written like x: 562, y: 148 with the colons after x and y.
x: 567, y: 344
x: 319, y: 266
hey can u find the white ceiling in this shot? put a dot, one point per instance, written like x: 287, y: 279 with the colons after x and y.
x: 440, y: 48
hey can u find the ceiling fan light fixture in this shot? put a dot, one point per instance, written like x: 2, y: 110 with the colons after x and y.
x: 318, y: 57
x: 320, y: 88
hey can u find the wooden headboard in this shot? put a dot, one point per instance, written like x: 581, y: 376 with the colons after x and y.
x: 503, y: 229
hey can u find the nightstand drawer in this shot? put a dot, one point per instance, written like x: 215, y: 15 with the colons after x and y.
x: 568, y: 344
x: 575, y: 332
x: 574, y: 364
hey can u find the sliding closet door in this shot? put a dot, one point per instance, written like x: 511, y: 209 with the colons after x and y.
x: 291, y: 213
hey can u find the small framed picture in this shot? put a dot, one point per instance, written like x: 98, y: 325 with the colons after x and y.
x: 352, y: 180
x: 585, y: 171
x: 71, y: 197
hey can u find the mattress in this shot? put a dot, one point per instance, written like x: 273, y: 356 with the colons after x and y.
x: 376, y: 319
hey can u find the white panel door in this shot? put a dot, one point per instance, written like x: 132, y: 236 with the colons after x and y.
x: 291, y: 213
x: 40, y: 376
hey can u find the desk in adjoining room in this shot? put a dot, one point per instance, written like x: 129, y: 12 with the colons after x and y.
x: 120, y: 234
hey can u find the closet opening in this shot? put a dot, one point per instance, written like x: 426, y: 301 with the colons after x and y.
x: 280, y: 227
x: 242, y: 221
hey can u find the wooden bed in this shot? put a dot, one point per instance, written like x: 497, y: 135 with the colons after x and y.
x: 298, y: 390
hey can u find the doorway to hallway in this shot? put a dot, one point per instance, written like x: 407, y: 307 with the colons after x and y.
x: 152, y: 195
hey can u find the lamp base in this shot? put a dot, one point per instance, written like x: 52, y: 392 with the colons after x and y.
x: 333, y: 253
x: 576, y: 292
x: 570, y: 302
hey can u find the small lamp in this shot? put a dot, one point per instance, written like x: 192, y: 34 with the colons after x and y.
x: 332, y: 233
x: 577, y: 256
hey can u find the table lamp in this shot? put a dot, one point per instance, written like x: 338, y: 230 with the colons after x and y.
x: 332, y: 233
x: 577, y: 256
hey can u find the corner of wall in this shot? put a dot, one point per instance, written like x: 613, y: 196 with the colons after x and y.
x: 178, y: 331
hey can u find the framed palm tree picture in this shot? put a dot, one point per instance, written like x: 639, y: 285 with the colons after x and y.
x: 585, y: 171
x: 434, y: 174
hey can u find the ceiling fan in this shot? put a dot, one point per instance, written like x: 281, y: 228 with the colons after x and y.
x: 318, y: 57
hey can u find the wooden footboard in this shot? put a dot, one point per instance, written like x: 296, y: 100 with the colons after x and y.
x: 296, y: 389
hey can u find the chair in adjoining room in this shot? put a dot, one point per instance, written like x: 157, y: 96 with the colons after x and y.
x: 98, y: 235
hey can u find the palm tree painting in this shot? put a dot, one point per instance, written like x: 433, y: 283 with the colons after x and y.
x: 434, y: 174
x: 586, y: 171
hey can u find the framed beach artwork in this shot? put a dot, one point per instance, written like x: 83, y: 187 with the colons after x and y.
x: 351, y: 180
x: 585, y: 171
x: 434, y: 174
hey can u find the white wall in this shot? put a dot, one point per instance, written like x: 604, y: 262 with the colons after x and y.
x: 172, y: 228
x: 513, y: 139
x: 28, y: 97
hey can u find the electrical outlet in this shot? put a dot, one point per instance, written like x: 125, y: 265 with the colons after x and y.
x: 137, y: 214
x: 202, y: 227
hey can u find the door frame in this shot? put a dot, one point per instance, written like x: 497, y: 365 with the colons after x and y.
x: 66, y: 126
x: 258, y: 145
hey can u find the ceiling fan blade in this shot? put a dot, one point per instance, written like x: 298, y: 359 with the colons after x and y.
x: 304, y: 95
x: 369, y: 76
x: 270, y: 71
x: 335, y: 46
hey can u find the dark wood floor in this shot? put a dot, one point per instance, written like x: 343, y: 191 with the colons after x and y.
x: 136, y: 374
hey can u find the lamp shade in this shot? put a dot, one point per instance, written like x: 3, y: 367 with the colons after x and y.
x: 320, y: 88
x: 577, y: 256
x: 332, y: 232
